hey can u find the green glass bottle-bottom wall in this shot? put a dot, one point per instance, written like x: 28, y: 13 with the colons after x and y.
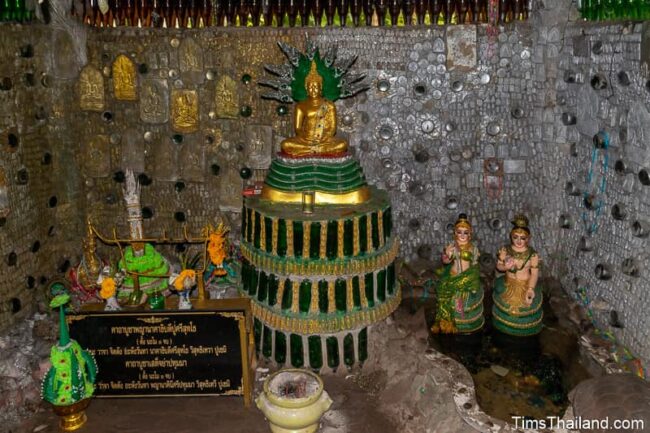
x: 313, y: 351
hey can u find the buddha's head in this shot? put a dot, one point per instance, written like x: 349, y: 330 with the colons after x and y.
x: 314, y: 82
x: 462, y: 230
x: 520, y: 233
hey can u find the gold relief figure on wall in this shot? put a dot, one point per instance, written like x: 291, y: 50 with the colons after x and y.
x: 185, y: 110
x: 226, y: 99
x: 124, y: 79
x: 91, y: 89
x: 153, y: 108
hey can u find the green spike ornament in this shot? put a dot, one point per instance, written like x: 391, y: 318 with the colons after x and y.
x: 69, y: 383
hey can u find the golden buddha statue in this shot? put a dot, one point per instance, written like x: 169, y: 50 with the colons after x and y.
x: 314, y: 123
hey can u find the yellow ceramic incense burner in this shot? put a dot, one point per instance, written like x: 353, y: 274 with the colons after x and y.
x: 293, y: 401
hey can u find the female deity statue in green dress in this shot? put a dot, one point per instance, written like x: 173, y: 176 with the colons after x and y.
x: 517, y: 306
x: 459, y: 294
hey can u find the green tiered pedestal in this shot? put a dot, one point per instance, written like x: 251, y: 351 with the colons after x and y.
x: 318, y: 281
x: 335, y: 180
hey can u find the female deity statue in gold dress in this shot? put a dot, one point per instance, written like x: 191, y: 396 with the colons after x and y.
x: 517, y: 306
x: 459, y: 294
x: 314, y: 123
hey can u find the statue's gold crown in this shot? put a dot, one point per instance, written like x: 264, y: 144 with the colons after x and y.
x: 462, y: 221
x: 520, y: 224
x: 313, y: 76
x: 520, y: 221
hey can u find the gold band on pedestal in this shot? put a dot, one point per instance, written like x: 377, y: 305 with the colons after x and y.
x: 357, y: 196
x: 298, y: 266
x: 352, y: 320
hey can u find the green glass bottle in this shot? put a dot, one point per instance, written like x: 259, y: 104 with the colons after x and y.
x: 253, y: 284
x: 348, y: 237
x: 257, y: 334
x: 304, y: 298
x: 287, y: 295
x: 340, y: 294
x: 257, y: 230
x: 263, y: 287
x: 332, y: 239
x: 381, y: 285
x: 282, y: 238
x: 19, y: 10
x: 356, y: 292
x: 622, y: 8
x: 387, y: 223
x: 7, y: 9
x: 267, y: 340
x: 348, y: 350
x: 280, y: 347
x: 315, y: 351
x: 363, y: 344
x: 375, y: 230
x: 297, y: 353
x: 268, y: 227
x: 390, y: 278
x: 332, y: 345
x: 370, y: 289
x: 637, y: 7
x: 363, y: 234
x: 245, y: 275
x: 273, y: 290
x: 587, y: 10
x: 323, y: 300
x: 297, y: 238
x: 314, y: 240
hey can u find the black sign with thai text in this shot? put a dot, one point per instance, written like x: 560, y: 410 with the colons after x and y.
x: 164, y: 353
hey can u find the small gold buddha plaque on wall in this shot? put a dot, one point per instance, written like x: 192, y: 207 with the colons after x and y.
x: 124, y: 79
x: 91, y: 89
x: 185, y: 110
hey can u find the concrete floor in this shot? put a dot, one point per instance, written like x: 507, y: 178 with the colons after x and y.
x: 353, y: 410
